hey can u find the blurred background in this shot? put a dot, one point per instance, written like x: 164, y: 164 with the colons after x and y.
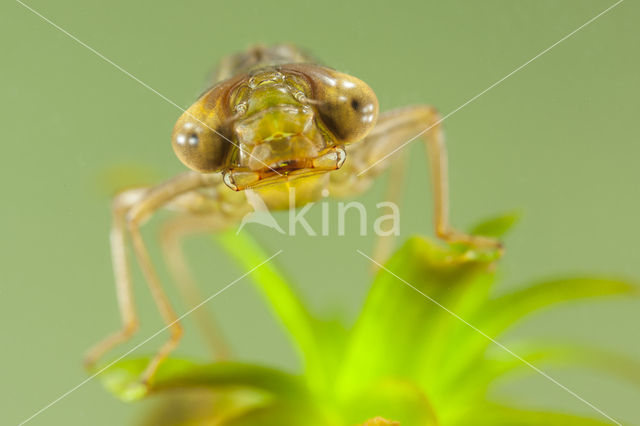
x: 557, y: 141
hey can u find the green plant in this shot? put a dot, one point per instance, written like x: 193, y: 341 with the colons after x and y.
x: 407, y: 358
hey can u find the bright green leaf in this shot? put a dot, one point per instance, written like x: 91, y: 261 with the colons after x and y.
x: 286, y: 305
x: 505, y: 311
x: 123, y: 378
x: 395, y: 325
x: 495, y: 415
x: 496, y: 227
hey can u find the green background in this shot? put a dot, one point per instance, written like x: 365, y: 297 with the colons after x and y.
x: 557, y: 140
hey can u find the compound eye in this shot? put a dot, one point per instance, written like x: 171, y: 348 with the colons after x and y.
x: 347, y: 106
x: 197, y: 146
x: 199, y: 135
x: 189, y: 134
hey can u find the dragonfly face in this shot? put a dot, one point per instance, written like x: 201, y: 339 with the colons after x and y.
x: 274, y: 124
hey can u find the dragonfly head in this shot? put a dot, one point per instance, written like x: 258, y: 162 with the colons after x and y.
x: 276, y: 123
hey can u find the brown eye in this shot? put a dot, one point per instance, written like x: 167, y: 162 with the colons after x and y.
x: 346, y: 105
x: 198, y: 136
x: 197, y: 146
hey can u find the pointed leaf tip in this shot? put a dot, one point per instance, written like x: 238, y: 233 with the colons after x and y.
x: 498, y: 226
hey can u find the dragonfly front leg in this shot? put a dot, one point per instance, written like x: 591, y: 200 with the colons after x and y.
x: 121, y: 205
x: 131, y: 209
x: 371, y: 156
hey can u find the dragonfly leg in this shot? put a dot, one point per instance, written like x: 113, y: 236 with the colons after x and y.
x: 131, y: 210
x: 383, y: 246
x: 173, y: 233
x: 371, y: 156
x: 121, y: 204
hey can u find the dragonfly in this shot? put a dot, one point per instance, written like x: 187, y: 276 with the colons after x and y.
x: 273, y: 121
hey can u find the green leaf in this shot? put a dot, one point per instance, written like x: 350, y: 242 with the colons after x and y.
x: 505, y: 311
x: 285, y: 304
x: 199, y: 407
x: 473, y: 383
x: 282, y: 414
x: 498, y: 226
x: 496, y: 415
x: 615, y: 364
x: 398, y: 399
x: 397, y: 323
x: 123, y: 378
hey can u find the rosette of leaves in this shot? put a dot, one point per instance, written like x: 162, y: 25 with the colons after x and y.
x: 409, y: 358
